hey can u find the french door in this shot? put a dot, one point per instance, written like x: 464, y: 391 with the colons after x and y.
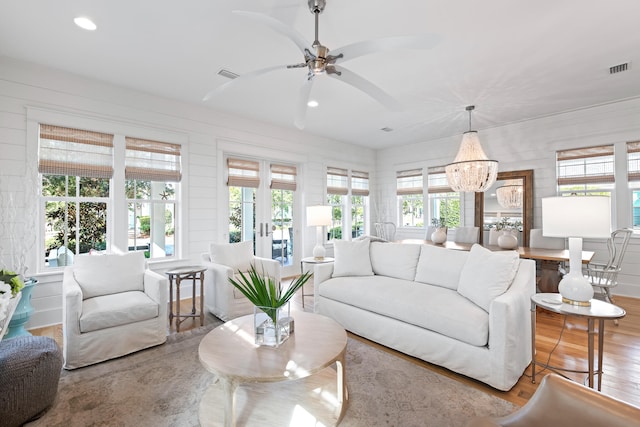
x: 263, y: 208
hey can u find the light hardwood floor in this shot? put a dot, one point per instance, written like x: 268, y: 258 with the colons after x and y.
x: 621, y: 377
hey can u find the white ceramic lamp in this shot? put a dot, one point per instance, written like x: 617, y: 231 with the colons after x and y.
x: 318, y: 216
x: 576, y: 217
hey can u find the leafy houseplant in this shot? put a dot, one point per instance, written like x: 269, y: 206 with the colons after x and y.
x: 12, y: 279
x: 264, y: 292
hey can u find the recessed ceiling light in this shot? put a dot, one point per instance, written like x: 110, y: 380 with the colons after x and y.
x: 85, y: 23
x: 313, y: 103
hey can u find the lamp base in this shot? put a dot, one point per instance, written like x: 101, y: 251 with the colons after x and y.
x: 577, y: 303
x: 319, y: 252
x: 575, y: 290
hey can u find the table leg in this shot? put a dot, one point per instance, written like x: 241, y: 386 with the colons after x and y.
x: 600, y: 351
x: 178, y: 280
x: 302, y: 287
x: 229, y: 388
x: 170, y: 300
x: 201, y: 298
x: 533, y: 342
x: 343, y: 393
x: 590, y: 331
x: 193, y: 294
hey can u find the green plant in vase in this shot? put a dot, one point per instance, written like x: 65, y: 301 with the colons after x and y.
x: 269, y: 297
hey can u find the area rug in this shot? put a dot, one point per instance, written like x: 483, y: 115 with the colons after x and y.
x: 162, y: 386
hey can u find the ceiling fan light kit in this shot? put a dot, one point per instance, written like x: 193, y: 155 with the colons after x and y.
x: 471, y: 170
x: 318, y: 60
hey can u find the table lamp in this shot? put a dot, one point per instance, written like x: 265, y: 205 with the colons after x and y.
x: 318, y: 216
x: 576, y: 217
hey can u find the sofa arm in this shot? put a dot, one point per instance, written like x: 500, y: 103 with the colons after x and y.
x: 156, y: 286
x: 321, y: 273
x: 71, y: 302
x: 510, y: 323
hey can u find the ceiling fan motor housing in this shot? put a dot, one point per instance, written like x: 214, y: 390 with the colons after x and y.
x: 317, y: 6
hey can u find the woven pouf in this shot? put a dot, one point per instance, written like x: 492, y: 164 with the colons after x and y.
x: 29, y: 373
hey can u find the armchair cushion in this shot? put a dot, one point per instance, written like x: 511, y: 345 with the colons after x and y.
x: 116, y: 309
x: 109, y: 274
x: 238, y: 256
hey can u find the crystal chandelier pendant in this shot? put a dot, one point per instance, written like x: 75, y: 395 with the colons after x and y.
x: 471, y: 170
x: 510, y: 195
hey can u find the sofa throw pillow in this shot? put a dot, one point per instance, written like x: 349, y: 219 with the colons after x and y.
x: 110, y: 273
x: 396, y: 260
x: 351, y: 258
x: 487, y: 275
x: 238, y: 256
x: 440, y: 266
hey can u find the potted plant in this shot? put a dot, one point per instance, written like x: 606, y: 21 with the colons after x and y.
x: 271, y: 317
x: 10, y: 287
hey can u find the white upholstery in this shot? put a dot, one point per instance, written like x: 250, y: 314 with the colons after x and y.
x: 537, y: 240
x: 221, y: 298
x: 467, y: 235
x: 106, y: 324
x: 397, y: 261
x: 493, y: 236
x: 238, y: 256
x: 435, y: 323
x: 352, y: 258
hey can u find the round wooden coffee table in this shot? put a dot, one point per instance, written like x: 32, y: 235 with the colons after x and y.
x: 294, y: 384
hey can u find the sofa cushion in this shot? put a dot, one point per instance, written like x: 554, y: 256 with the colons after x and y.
x: 487, y: 274
x: 238, y: 256
x: 440, y: 266
x: 397, y: 260
x: 351, y: 258
x: 110, y: 273
x: 114, y: 310
x: 435, y: 308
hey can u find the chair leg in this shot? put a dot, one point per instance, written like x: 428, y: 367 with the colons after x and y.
x: 609, y: 299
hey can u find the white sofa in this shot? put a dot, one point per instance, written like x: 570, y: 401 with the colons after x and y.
x: 112, y: 305
x: 466, y: 311
x: 224, y: 260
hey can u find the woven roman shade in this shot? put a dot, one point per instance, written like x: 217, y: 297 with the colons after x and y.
x: 359, y: 183
x: 283, y: 177
x: 149, y: 160
x: 75, y: 152
x: 337, y: 181
x: 591, y: 165
x: 437, y: 180
x: 243, y: 173
x: 633, y: 160
x: 409, y: 182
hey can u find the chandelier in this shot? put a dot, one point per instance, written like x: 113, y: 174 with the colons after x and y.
x: 471, y: 170
x: 510, y: 194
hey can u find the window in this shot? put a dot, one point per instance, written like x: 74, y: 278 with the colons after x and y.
x: 633, y: 175
x: 243, y: 180
x: 359, y: 196
x: 444, y: 203
x: 283, y: 185
x: 79, y: 194
x: 152, y: 169
x: 410, y: 198
x: 76, y: 167
x: 337, y: 190
x: 586, y: 171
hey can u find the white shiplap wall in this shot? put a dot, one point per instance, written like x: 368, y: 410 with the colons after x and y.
x: 532, y: 145
x: 29, y: 91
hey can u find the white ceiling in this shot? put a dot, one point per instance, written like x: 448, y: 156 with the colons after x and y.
x: 513, y: 59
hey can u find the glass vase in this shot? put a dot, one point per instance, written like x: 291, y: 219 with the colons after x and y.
x: 272, y: 326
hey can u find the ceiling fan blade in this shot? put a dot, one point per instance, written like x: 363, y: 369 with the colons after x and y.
x: 279, y: 27
x: 241, y: 78
x: 303, y: 98
x: 379, y: 45
x: 353, y: 79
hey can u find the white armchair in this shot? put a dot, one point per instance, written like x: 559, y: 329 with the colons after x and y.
x: 223, y: 261
x: 112, y: 305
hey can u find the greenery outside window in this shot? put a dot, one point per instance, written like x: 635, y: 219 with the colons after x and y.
x: 444, y: 203
x: 410, y: 198
x: 337, y: 190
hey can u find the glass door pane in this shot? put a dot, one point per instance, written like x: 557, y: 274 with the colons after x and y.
x: 282, y: 220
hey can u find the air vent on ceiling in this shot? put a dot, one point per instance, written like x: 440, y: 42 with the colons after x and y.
x: 619, y: 68
x: 386, y: 129
x: 228, y: 74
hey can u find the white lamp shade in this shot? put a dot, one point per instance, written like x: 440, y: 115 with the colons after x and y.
x: 576, y: 216
x: 318, y: 216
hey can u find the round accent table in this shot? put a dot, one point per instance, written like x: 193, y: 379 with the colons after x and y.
x: 598, y: 310
x: 292, y: 385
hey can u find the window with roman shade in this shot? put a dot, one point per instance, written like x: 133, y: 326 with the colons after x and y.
x: 586, y: 171
x: 409, y: 182
x: 149, y: 160
x: 444, y: 203
x: 283, y: 177
x: 243, y: 173
x: 410, y: 198
x: 359, y: 183
x: 337, y: 182
x: 633, y: 163
x: 75, y: 152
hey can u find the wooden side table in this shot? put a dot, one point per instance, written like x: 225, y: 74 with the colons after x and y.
x: 185, y: 273
x: 312, y: 260
x: 598, y: 310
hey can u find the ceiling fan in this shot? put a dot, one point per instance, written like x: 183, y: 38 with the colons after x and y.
x: 318, y: 60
